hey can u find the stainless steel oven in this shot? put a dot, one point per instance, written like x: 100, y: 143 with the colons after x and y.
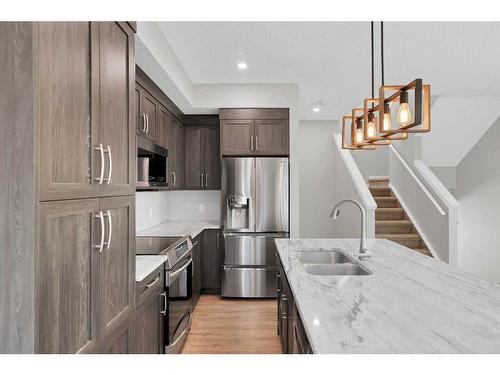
x: 152, y: 164
x: 179, y: 276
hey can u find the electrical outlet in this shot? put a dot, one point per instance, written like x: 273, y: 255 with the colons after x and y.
x: 201, y: 208
x: 150, y: 212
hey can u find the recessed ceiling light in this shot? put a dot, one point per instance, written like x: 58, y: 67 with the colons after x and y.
x: 316, y: 109
x: 242, y: 65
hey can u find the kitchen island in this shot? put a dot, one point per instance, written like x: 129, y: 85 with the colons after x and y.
x: 410, y: 303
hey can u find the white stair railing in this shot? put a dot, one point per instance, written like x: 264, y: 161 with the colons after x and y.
x: 349, y: 183
x: 428, y: 203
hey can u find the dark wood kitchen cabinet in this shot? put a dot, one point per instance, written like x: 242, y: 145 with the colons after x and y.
x: 67, y: 277
x: 291, y: 330
x: 254, y: 131
x: 176, y: 154
x: 117, y: 274
x: 197, y: 267
x: 163, y: 127
x: 150, y: 313
x: 84, y: 99
x: 202, y: 157
x: 147, y: 117
x: 211, y: 261
x: 72, y: 86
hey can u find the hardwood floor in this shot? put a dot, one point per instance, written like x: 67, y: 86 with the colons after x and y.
x: 233, y: 326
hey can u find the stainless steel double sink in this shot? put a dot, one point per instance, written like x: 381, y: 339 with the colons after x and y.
x: 330, y: 262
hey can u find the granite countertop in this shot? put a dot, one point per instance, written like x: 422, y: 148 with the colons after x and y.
x: 411, y: 303
x: 179, y: 228
x: 145, y: 264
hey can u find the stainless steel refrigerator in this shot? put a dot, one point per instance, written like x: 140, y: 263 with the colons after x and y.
x: 255, y: 207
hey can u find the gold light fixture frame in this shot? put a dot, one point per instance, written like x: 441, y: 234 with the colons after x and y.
x: 382, y: 139
x: 422, y: 107
x: 345, y: 146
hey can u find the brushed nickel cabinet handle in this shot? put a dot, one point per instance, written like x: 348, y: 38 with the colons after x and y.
x: 251, y: 143
x: 143, y: 128
x: 175, y: 178
x: 206, y: 180
x: 257, y: 143
x: 201, y: 179
x: 110, y: 170
x: 101, y: 245
x: 110, y: 228
x: 147, y: 124
x: 164, y: 311
x: 152, y: 282
x: 101, y: 174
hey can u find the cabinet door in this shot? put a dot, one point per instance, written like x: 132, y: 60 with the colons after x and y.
x: 67, y: 277
x: 211, y: 260
x: 66, y: 104
x: 237, y: 137
x: 117, y: 112
x: 121, y: 341
x: 211, y: 153
x: 194, y: 168
x: 197, y: 267
x: 149, y: 326
x: 117, y: 274
x: 271, y: 137
x: 148, y: 108
x: 176, y: 156
x: 163, y: 128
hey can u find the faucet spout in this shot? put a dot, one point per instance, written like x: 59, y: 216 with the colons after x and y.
x: 363, y: 250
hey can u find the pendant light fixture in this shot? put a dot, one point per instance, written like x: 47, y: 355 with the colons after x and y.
x: 373, y: 124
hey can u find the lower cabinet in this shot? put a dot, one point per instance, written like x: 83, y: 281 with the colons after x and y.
x: 197, y: 267
x: 121, y: 341
x: 211, y: 261
x: 150, y: 313
x: 293, y: 337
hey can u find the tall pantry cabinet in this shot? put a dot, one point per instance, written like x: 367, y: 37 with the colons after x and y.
x: 68, y: 243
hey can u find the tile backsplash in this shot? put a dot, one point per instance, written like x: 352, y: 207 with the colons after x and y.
x: 155, y: 207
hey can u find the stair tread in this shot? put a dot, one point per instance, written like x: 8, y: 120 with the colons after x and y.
x: 402, y: 236
x: 378, y: 178
x: 385, y: 198
x: 402, y: 221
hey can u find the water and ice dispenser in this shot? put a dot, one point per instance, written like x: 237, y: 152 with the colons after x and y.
x: 237, y: 212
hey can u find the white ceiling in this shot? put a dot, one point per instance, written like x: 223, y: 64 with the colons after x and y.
x: 331, y: 60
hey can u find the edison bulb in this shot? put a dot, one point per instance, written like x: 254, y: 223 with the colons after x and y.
x: 371, y: 129
x: 386, y: 123
x: 359, y: 135
x: 404, y: 114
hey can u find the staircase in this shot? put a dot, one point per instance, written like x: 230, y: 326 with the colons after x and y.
x: 391, y: 221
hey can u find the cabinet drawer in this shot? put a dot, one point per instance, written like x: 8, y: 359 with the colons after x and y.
x: 153, y: 283
x: 246, y: 282
x: 301, y: 343
x: 250, y: 250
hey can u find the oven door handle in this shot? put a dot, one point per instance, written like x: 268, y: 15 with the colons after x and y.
x: 174, y: 274
x: 181, y: 336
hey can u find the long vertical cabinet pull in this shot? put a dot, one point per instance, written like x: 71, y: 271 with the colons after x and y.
x: 206, y: 180
x: 147, y: 124
x: 101, y: 174
x: 110, y: 228
x: 100, y: 216
x: 256, y: 143
x: 164, y: 311
x: 143, y: 129
x: 251, y: 143
x: 110, y: 170
x: 201, y: 180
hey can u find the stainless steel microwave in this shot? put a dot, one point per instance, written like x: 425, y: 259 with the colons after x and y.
x: 152, y: 164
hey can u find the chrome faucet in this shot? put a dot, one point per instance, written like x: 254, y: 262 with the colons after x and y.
x: 363, y: 251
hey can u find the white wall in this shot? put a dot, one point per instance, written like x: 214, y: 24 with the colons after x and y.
x: 316, y: 155
x: 478, y: 191
x: 372, y: 162
x: 155, y: 207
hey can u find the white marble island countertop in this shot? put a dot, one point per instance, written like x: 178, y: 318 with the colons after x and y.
x: 177, y: 228
x: 409, y: 304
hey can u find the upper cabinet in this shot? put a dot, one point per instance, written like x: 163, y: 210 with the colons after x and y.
x: 176, y: 154
x: 148, y: 111
x: 202, y: 157
x: 83, y: 102
x: 254, y: 131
